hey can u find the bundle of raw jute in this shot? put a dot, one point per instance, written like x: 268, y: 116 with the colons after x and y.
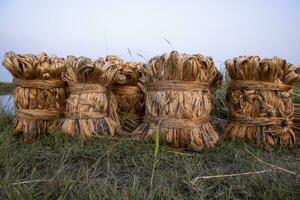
x: 39, y: 94
x: 178, y: 101
x: 129, y: 96
x: 91, y: 108
x: 260, y: 100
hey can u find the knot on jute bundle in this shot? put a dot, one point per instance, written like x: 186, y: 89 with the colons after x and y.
x: 178, y: 101
x: 260, y: 100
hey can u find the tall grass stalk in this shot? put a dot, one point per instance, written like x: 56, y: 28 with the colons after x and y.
x: 156, y: 148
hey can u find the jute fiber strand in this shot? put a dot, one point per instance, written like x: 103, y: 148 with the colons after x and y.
x: 178, y: 101
x: 129, y: 96
x: 91, y: 108
x: 260, y: 101
x: 39, y: 94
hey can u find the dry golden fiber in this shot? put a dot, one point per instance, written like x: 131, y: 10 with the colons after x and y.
x: 178, y: 100
x: 91, y: 108
x: 129, y: 96
x: 260, y: 100
x: 39, y: 94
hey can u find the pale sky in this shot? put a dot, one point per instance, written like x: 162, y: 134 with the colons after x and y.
x: 221, y: 29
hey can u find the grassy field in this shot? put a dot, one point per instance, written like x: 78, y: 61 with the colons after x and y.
x: 60, y: 167
x: 6, y: 88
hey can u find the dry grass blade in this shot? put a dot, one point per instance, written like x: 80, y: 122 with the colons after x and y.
x: 271, y: 165
x: 260, y: 100
x: 178, y: 95
x: 39, y: 94
x: 91, y: 108
x: 230, y: 175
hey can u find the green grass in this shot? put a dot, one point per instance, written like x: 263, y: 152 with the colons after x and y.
x: 6, y: 88
x: 60, y: 167
x: 297, y: 94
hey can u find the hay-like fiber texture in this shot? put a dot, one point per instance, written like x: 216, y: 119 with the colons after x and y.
x: 129, y: 96
x: 178, y: 101
x: 39, y: 94
x: 91, y: 108
x: 260, y: 101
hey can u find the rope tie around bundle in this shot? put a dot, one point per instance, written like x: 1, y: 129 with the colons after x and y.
x: 37, y: 114
x: 39, y: 84
x: 86, y: 88
x: 164, y: 122
x: 258, y: 85
x: 124, y: 90
x: 177, y: 85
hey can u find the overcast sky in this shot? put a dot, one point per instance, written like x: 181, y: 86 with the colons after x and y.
x: 221, y: 29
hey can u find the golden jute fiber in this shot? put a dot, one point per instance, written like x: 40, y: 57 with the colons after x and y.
x: 91, y: 108
x: 178, y: 101
x: 39, y: 94
x: 129, y: 96
x: 260, y: 101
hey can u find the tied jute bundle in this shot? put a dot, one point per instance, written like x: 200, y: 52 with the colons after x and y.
x: 178, y: 101
x: 129, y: 96
x: 260, y: 101
x: 91, y: 108
x: 39, y: 94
